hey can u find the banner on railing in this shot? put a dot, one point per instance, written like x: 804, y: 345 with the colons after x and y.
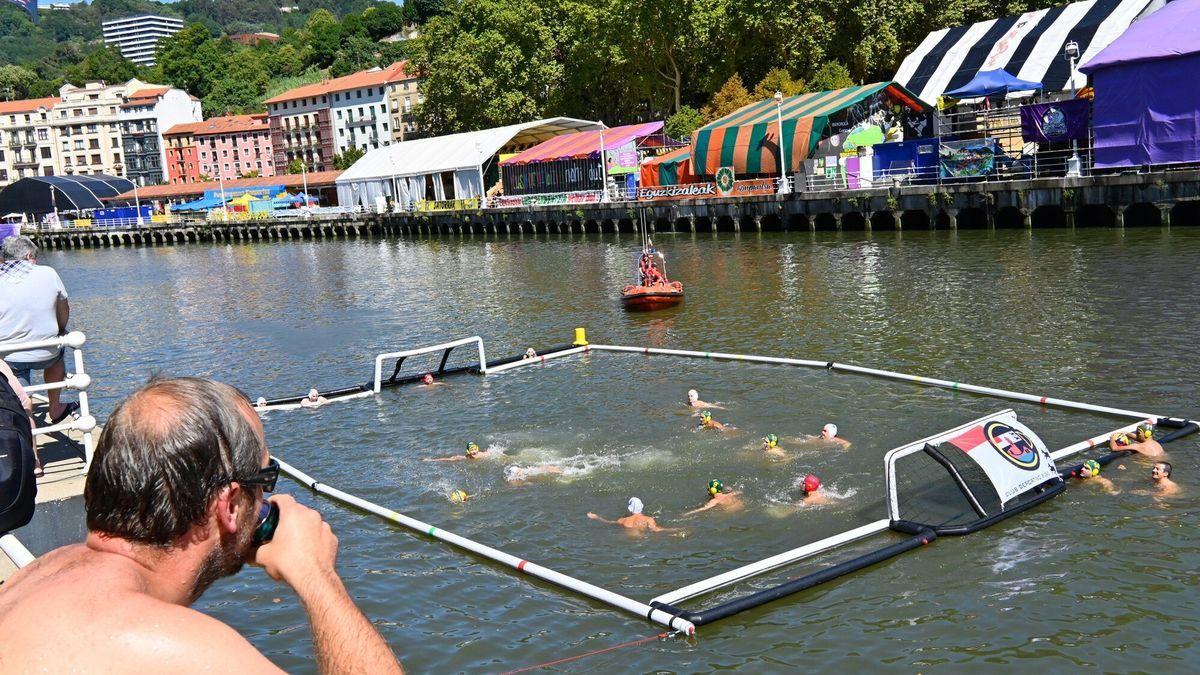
x: 741, y: 188
x: 967, y: 159
x: 549, y: 199
x: 1060, y: 121
x: 448, y: 204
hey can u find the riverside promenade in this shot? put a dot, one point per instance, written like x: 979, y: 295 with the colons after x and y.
x: 1159, y: 199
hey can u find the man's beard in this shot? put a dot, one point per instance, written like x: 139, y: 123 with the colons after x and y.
x: 228, y: 557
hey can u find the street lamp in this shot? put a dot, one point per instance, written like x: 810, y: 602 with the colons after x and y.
x: 603, y: 168
x: 783, y: 181
x: 1074, y: 165
x: 137, y: 204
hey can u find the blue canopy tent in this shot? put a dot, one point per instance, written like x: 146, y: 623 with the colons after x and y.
x: 993, y: 82
x: 202, y: 204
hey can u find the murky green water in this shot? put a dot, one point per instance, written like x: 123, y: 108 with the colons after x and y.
x: 1087, y: 581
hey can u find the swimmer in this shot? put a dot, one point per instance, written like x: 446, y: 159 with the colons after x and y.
x: 636, y: 520
x: 1142, y: 441
x: 829, y: 432
x: 770, y: 446
x: 719, y: 496
x: 1090, y: 471
x: 707, y: 422
x: 520, y: 474
x: 1160, y: 473
x: 693, y: 400
x: 261, y: 403
x: 313, y: 400
x: 459, y: 497
x: 530, y: 354
x: 812, y: 494
x: 473, y: 452
x: 427, y: 381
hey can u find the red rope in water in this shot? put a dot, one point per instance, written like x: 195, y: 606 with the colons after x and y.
x: 598, y: 651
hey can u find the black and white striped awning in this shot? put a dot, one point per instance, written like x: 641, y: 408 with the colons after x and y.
x: 1028, y: 45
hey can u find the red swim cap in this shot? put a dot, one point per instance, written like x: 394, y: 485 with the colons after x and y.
x: 811, y: 483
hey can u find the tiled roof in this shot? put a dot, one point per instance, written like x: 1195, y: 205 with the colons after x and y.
x: 230, y: 124
x: 291, y: 181
x: 27, y: 105
x: 151, y: 92
x: 367, y: 78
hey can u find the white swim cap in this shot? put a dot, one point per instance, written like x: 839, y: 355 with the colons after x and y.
x: 635, y: 505
x: 313, y: 392
x: 692, y: 393
x: 261, y: 402
x: 511, y: 472
x: 831, y: 428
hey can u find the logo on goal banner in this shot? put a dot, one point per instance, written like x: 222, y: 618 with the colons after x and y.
x: 1012, y: 445
x: 725, y: 181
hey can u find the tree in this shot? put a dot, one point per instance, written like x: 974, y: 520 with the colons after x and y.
x: 347, y: 159
x: 285, y: 62
x: 383, y: 20
x: 322, y: 35
x: 253, y: 173
x: 357, y: 53
x: 295, y: 166
x: 731, y: 96
x: 777, y: 80
x: 683, y: 123
x: 179, y: 59
x: 16, y: 82
x: 106, y: 64
x: 487, y: 63
x: 241, y: 85
x: 829, y: 76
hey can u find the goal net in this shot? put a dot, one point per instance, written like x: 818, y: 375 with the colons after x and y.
x: 395, y: 368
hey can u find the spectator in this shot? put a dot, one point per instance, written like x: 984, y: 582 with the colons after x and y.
x: 33, y: 306
x: 174, y: 501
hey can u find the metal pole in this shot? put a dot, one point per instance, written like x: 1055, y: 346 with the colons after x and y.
x: 224, y: 209
x: 784, y: 188
x: 137, y: 204
x: 1074, y: 165
x: 304, y: 177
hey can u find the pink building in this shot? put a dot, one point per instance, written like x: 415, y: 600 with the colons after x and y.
x: 222, y: 147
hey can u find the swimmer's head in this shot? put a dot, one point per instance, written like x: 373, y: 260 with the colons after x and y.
x: 427, y: 378
x: 1161, y: 470
x: 811, y: 484
x: 261, y: 402
x: 705, y: 418
x: 313, y: 394
x: 458, y: 496
x: 1090, y: 468
x: 1144, y: 432
x: 693, y: 396
x: 715, y: 486
x: 513, y: 472
x: 472, y: 449
x: 770, y: 441
x: 635, y: 505
x: 829, y: 430
x: 530, y: 353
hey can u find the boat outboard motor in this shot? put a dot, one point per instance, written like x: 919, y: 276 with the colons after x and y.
x: 18, y: 486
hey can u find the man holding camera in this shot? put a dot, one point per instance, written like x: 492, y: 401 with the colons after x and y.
x: 175, y: 500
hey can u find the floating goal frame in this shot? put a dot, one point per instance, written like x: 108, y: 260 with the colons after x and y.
x: 663, y: 609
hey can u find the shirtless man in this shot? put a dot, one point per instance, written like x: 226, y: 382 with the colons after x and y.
x: 829, y: 433
x: 473, y: 452
x: 1142, y: 442
x: 812, y: 494
x: 636, y: 520
x: 313, y: 400
x: 693, y: 400
x: 173, y: 502
x: 519, y: 474
x: 770, y: 446
x: 1090, y: 471
x: 1160, y: 473
x: 718, y: 496
x: 707, y: 422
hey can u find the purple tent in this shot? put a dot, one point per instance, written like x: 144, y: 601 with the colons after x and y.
x: 1147, y: 106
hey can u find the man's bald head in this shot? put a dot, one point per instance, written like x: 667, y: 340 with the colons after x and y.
x: 164, y: 453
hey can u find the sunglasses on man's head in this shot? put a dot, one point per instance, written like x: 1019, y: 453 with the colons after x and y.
x: 264, y: 477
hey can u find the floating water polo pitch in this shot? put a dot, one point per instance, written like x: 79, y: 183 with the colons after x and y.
x: 952, y: 483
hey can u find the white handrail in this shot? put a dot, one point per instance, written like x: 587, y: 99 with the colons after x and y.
x: 15, y: 550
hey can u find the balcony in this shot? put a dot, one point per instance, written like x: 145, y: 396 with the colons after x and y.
x: 19, y: 162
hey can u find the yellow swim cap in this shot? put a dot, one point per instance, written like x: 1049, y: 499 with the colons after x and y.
x: 472, y: 449
x: 458, y: 496
x: 1144, y: 431
x: 715, y: 486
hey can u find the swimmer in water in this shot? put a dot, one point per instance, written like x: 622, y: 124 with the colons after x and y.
x: 313, y: 400
x: 829, y: 433
x: 473, y: 452
x: 261, y: 403
x: 1142, y: 441
x: 718, y: 496
x: 693, y: 401
x: 427, y: 381
x: 770, y: 446
x: 530, y: 353
x: 707, y: 422
x: 1160, y: 473
x: 812, y: 494
x: 1090, y: 472
x: 636, y: 520
x: 520, y: 474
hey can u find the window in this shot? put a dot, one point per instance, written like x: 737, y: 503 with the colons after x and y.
x: 93, y: 112
x: 94, y: 144
x: 359, y: 92
x: 43, y: 134
x: 337, y: 97
x: 91, y: 128
x: 45, y: 153
x: 95, y: 159
x: 79, y: 144
x: 116, y: 158
x: 224, y: 153
x: 116, y: 143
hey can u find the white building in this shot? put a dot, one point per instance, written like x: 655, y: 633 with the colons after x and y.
x: 138, y: 36
x: 144, y: 116
x: 26, y: 144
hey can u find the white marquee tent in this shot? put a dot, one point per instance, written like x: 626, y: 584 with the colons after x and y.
x: 399, y: 171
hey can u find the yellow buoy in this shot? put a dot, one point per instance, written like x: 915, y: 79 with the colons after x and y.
x: 580, y: 337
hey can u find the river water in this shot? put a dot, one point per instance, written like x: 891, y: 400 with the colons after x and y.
x: 1087, y: 581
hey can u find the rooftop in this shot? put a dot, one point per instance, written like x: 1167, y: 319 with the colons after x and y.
x: 27, y: 105
x: 189, y: 190
x: 230, y: 124
x: 366, y: 78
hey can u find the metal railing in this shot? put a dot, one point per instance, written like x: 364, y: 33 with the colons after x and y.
x: 79, y: 381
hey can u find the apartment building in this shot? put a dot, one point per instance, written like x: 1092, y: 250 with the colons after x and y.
x: 403, y: 97
x: 317, y: 121
x: 137, y: 36
x: 26, y: 142
x: 228, y: 147
x: 144, y: 116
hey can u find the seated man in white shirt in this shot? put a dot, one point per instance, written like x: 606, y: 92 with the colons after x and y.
x: 33, y: 306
